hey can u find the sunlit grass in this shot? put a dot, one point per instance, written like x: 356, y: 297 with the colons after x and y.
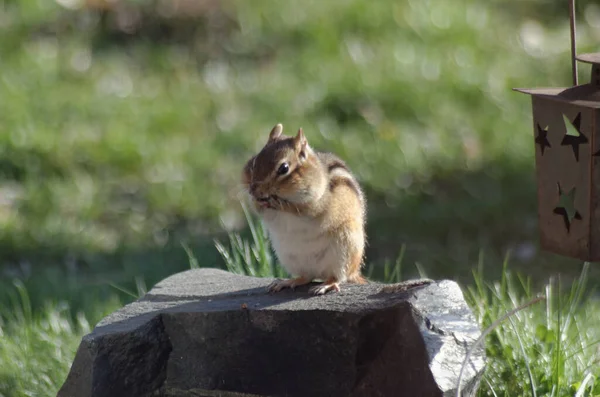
x: 38, y: 346
x: 253, y: 258
x: 550, y: 349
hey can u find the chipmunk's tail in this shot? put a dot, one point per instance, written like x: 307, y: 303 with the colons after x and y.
x: 357, y: 278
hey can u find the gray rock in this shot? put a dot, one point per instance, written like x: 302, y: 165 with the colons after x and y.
x: 208, y: 332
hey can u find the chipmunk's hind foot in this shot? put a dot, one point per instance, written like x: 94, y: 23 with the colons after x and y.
x: 292, y: 283
x: 328, y: 286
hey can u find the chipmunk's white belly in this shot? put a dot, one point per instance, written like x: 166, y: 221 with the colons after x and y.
x: 302, y: 248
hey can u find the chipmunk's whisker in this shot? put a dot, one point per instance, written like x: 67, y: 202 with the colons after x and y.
x: 238, y: 192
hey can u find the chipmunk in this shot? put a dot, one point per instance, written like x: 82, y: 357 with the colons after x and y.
x: 313, y: 209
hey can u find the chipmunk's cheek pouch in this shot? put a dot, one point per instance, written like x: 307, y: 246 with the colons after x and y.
x: 287, y: 190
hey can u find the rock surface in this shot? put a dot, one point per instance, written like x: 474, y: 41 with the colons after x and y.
x: 208, y: 332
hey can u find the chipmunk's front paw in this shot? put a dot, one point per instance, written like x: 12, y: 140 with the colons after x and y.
x: 324, y: 288
x: 278, y: 285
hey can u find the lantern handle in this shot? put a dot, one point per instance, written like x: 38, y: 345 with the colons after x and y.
x: 573, y: 41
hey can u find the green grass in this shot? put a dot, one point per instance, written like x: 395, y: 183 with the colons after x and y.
x: 549, y: 349
x: 37, y: 347
x: 117, y: 146
x: 254, y: 258
x: 544, y: 350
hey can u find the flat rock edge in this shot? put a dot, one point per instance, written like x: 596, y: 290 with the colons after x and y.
x: 142, y: 347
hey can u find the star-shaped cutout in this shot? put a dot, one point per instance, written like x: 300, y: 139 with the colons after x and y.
x: 574, y: 136
x: 566, y: 207
x: 542, y: 138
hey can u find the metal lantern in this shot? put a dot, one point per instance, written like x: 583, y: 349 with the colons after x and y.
x: 566, y: 126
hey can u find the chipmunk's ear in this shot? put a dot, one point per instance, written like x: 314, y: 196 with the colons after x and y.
x: 275, y: 132
x: 301, y: 143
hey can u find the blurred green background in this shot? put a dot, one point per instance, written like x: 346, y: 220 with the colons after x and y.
x: 124, y: 125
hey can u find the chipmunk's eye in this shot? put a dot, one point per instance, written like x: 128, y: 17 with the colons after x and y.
x: 283, y: 169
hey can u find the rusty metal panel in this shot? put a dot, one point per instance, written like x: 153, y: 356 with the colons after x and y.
x: 595, y: 189
x: 563, y: 136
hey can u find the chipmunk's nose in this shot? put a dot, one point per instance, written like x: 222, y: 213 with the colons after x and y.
x: 256, y: 191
